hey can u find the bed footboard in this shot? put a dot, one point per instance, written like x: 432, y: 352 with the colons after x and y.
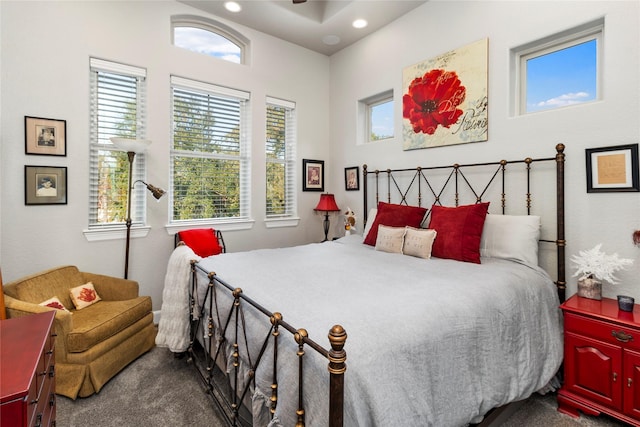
x: 225, y: 348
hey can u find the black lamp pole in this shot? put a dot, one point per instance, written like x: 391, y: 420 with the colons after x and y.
x: 326, y: 226
x: 131, y: 156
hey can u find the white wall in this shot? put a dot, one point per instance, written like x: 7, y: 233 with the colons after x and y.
x: 375, y: 65
x: 46, y: 48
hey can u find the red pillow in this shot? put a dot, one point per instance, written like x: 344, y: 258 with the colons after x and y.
x: 394, y: 216
x: 459, y: 231
x: 202, y: 241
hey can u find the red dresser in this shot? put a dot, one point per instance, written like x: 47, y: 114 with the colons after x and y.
x: 27, y: 371
x: 601, y: 360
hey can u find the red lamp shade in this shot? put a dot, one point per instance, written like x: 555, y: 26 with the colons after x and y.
x: 327, y: 203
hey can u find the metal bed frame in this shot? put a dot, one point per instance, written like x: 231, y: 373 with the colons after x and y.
x: 230, y: 393
x: 421, y: 180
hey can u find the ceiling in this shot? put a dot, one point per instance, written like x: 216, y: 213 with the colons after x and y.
x: 309, y: 24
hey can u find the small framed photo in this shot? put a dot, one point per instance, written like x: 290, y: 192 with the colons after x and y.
x: 46, y: 137
x: 312, y: 175
x: 45, y: 185
x: 612, y: 169
x: 352, y: 178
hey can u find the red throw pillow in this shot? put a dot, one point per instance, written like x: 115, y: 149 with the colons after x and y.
x: 202, y: 241
x: 459, y: 231
x: 394, y: 216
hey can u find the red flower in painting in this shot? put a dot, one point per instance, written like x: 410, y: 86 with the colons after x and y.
x: 432, y: 101
x: 87, y: 295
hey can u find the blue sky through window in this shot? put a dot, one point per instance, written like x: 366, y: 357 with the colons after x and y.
x: 382, y: 120
x: 564, y: 77
x: 207, y: 43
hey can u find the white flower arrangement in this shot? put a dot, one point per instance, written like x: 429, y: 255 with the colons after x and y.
x: 595, y: 263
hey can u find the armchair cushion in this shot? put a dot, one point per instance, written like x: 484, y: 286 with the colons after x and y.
x: 103, y: 319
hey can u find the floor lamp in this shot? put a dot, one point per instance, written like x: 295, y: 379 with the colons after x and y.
x: 326, y: 204
x: 133, y: 146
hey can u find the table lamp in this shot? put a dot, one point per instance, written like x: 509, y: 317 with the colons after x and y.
x: 326, y: 204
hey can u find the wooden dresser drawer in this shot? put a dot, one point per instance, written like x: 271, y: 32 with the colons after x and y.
x: 45, y: 407
x: 604, y: 331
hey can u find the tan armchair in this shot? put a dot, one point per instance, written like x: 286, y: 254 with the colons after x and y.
x: 96, y: 342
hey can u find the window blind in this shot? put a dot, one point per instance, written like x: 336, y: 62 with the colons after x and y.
x: 210, y: 152
x: 117, y: 105
x: 280, y: 157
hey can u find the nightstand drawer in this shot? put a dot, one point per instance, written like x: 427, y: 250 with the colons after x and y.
x: 605, y: 331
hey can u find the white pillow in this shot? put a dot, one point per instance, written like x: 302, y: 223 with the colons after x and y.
x: 370, y: 218
x: 418, y: 242
x: 54, y: 303
x: 390, y: 239
x: 84, y: 295
x: 513, y: 237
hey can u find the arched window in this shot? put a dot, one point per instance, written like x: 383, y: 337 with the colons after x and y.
x: 210, y: 38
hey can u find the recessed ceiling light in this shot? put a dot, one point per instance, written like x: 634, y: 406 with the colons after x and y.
x: 331, y: 40
x: 359, y: 23
x: 232, y: 6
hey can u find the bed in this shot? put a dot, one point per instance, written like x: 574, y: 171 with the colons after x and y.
x: 430, y: 341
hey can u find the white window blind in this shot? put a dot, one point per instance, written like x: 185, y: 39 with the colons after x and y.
x: 281, y: 158
x: 117, y: 98
x: 210, y: 155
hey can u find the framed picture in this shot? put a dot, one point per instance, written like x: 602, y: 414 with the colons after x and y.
x: 45, y: 185
x: 612, y: 169
x: 312, y: 175
x: 352, y: 178
x: 45, y: 136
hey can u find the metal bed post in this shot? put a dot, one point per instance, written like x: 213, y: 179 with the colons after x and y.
x: 561, y: 242
x: 337, y: 368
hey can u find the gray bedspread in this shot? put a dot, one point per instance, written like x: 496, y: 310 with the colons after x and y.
x: 430, y: 342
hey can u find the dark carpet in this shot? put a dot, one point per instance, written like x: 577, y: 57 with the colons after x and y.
x: 161, y: 390
x: 155, y: 390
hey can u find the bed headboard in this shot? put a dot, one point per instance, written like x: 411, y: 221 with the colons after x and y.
x: 459, y: 184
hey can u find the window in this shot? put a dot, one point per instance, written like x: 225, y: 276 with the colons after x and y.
x: 210, y: 153
x: 376, y: 117
x: 209, y: 37
x: 559, y: 71
x: 117, y: 110
x: 281, y: 158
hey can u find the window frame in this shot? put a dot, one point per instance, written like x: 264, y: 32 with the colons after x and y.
x: 244, y: 220
x: 365, y: 111
x: 548, y: 45
x: 290, y: 217
x: 116, y: 230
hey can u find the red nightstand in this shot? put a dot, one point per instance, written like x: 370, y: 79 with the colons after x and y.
x: 601, y: 360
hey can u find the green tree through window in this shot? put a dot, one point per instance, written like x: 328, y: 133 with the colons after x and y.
x: 209, y: 163
x: 117, y: 110
x: 280, y: 155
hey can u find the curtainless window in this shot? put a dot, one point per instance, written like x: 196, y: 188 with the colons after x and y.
x: 210, y: 158
x: 118, y: 109
x: 280, y: 158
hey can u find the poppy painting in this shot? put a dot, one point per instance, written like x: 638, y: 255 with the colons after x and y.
x: 444, y: 99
